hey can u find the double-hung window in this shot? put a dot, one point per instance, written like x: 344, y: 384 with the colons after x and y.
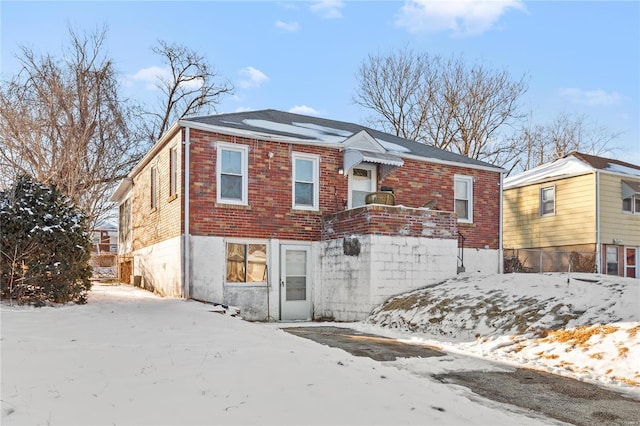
x: 173, y: 171
x: 547, y: 201
x: 306, y: 181
x: 463, y: 198
x: 232, y: 173
x: 246, y: 263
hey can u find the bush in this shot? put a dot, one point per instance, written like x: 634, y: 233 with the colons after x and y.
x: 44, y: 246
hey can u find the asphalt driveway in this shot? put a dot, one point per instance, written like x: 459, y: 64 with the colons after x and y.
x: 557, y: 397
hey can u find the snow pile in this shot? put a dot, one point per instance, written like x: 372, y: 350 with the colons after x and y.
x: 584, y: 326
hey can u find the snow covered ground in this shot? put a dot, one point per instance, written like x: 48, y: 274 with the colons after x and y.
x: 584, y: 326
x: 130, y: 357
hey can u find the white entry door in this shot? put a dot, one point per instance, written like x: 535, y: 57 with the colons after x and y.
x: 362, y: 180
x: 295, y: 282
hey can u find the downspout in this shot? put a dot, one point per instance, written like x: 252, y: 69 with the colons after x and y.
x: 598, y: 248
x: 186, y: 240
x: 500, y: 248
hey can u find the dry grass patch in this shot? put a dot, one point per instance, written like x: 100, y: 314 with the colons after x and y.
x: 580, y: 336
x: 633, y: 331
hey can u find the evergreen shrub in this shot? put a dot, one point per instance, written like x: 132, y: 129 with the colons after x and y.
x: 45, y: 246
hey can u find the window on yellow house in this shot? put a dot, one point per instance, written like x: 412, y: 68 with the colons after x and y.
x: 246, y: 263
x: 547, y: 201
x: 631, y: 196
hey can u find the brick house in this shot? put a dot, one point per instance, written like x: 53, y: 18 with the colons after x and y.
x: 294, y: 217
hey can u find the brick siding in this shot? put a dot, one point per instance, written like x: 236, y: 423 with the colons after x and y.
x: 269, y: 212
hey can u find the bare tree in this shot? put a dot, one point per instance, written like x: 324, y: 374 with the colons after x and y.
x: 566, y: 133
x: 191, y: 86
x: 442, y: 102
x: 63, y: 122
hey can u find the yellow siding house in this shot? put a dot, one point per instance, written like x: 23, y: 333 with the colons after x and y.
x: 578, y: 213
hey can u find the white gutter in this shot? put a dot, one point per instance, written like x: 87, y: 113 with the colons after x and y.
x: 186, y: 236
x: 500, y: 248
x: 598, y: 249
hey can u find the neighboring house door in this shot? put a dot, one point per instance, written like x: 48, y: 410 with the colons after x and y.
x: 295, y: 280
x: 612, y: 260
x: 631, y: 262
x: 362, y: 180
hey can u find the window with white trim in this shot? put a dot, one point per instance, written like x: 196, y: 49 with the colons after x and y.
x: 463, y: 198
x: 232, y: 173
x: 306, y: 181
x: 547, y: 201
x: 631, y: 205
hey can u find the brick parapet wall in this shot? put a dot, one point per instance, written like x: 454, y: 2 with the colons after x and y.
x: 416, y: 183
x: 375, y: 219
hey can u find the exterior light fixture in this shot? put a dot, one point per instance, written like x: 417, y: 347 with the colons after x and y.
x: 340, y: 171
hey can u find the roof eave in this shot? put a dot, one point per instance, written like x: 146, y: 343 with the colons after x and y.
x: 551, y: 179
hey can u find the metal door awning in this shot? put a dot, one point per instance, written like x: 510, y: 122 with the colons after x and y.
x: 353, y: 157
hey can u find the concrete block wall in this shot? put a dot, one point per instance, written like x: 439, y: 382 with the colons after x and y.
x: 344, y: 292
x: 207, y: 268
x: 359, y: 272
x: 402, y: 264
x: 159, y: 267
x: 484, y: 261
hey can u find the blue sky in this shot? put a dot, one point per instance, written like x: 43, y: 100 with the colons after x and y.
x: 581, y: 58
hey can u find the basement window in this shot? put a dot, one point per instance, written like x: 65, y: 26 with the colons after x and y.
x: 246, y: 263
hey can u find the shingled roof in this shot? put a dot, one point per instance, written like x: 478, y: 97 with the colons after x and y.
x: 322, y: 130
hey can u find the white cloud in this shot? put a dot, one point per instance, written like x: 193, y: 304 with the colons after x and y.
x: 253, y: 77
x: 288, y: 26
x: 154, y: 75
x: 328, y: 9
x: 303, y: 109
x: 597, y: 97
x: 461, y: 17
x: 150, y: 75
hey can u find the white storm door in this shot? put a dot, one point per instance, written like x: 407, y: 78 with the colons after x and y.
x: 295, y: 280
x: 362, y: 180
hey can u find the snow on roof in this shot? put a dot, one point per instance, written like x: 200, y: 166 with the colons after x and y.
x: 623, y: 170
x: 390, y: 146
x: 563, y: 167
x: 573, y: 164
x: 305, y: 130
x: 321, y: 130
